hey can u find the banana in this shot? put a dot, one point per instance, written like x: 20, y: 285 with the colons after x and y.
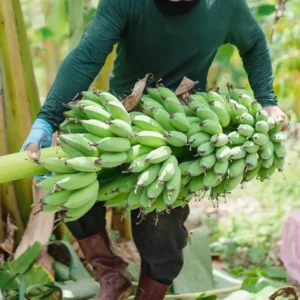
x: 97, y: 128
x: 148, y: 176
x: 51, y: 208
x: 147, y: 123
x: 260, y: 139
x: 148, y: 104
x: 278, y: 137
x: 187, y: 110
x: 251, y: 174
x: 109, y: 191
x: 154, y: 94
x: 219, y: 140
x: 172, y: 105
x: 279, y: 122
x: 184, y: 167
x: 159, y: 155
x: 70, y: 114
x: 92, y: 138
x: 266, y: 151
x: 151, y: 139
x: 215, y: 97
x: 194, y: 128
x: 69, y: 150
x: 271, y: 123
x: 196, y: 185
x: 193, y: 119
x: 96, y: 113
x: 245, y: 100
x: 200, y: 99
x: 236, y: 139
x: 175, y: 138
x: 210, y: 179
x: 279, y: 163
x: 120, y: 128
x: 76, y: 110
x: 134, y: 197
x: 198, y: 139
x: 204, y: 113
x: 220, y: 110
x: 234, y: 93
x: 154, y: 190
x: 205, y: 149
x: 170, y: 198
x: 180, y: 122
x: 56, y: 165
x: 251, y: 160
x: 254, y: 108
x: 132, y: 139
x: 217, y: 191
x: 174, y: 183
x: 118, y: 201
x: 221, y: 167
x: 163, y: 118
x: 223, y: 153
x: 83, y: 195
x: 250, y: 147
x: 138, y: 165
x: 236, y: 168
x: 76, y: 181
x: 211, y: 127
x: 71, y: 127
x: 268, y: 162
x: 262, y: 127
x: 84, y: 103
x: 237, y: 152
x: 168, y: 169
x: 207, y: 162
x: 247, y: 119
x: 144, y: 200
x: 74, y: 214
x: 112, y: 160
x: 57, y: 198
x: 246, y: 130
x: 239, y: 109
x: 84, y: 164
x: 262, y: 115
x: 48, y: 183
x: 118, y: 111
x: 80, y: 143
x: 113, y: 144
x: 195, y: 169
x: 127, y: 183
x: 136, y: 151
x: 185, y: 180
x: 93, y: 96
x: 231, y: 183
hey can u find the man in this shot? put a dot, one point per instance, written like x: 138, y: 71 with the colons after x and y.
x: 170, y: 39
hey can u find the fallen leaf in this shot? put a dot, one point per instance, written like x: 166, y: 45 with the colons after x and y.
x: 185, y: 86
x: 133, y: 100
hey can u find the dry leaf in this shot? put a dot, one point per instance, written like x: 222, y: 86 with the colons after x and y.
x: 287, y: 291
x: 9, y: 242
x: 185, y: 86
x: 133, y: 100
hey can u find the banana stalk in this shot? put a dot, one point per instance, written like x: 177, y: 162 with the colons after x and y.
x: 17, y: 166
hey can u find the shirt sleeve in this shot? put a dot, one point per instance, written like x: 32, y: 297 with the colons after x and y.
x: 82, y: 65
x: 247, y: 35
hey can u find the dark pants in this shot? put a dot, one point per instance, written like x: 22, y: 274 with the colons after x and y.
x: 159, y: 241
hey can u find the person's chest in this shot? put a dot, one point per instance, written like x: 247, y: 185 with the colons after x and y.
x: 201, y: 29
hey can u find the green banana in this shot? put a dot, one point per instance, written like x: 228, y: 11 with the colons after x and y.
x: 154, y: 190
x: 198, y: 139
x: 97, y: 128
x: 196, y: 185
x: 112, y: 160
x: 113, y: 144
x: 144, y: 200
x: 221, y: 167
x: 147, y: 123
x: 168, y: 169
x: 237, y: 152
x: 163, y: 118
x: 84, y: 164
x: 69, y: 150
x: 184, y: 166
x: 237, y: 168
x: 127, y: 183
x: 280, y: 150
x: 260, y: 139
x: 180, y: 122
x: 151, y: 139
x: 250, y: 147
x: 118, y: 111
x: 210, y: 179
x: 231, y: 183
x: 136, y: 151
x: 76, y: 181
x: 266, y: 151
x: 48, y: 183
x: 268, y: 162
x: 211, y: 127
x: 247, y: 119
x: 262, y: 127
x: 195, y: 169
x: 246, y: 130
x: 71, y: 127
x: 148, y: 176
x: 220, y: 110
x: 254, y: 108
x: 262, y: 115
x: 251, y: 160
x: 120, y: 128
x: 236, y: 138
x: 56, y: 165
x: 279, y: 163
x: 138, y: 165
x: 223, y: 153
x: 159, y: 155
x: 96, y: 113
x: 175, y: 138
x: 278, y: 137
x: 134, y: 197
x: 83, y: 195
x: 57, y: 198
x: 118, y: 201
x: 205, y: 149
x: 200, y: 98
x: 219, y: 140
x: 207, y: 162
x: 205, y: 113
x: 174, y: 183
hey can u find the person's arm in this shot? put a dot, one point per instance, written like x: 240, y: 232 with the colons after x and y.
x: 82, y: 65
x: 246, y: 34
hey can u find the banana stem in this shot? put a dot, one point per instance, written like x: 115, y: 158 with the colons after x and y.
x: 17, y: 166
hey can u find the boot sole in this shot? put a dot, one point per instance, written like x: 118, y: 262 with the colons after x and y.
x: 127, y: 293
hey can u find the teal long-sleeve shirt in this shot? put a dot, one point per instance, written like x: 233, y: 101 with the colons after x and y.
x: 169, y: 46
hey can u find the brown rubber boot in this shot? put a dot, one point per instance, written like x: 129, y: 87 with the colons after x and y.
x: 111, y: 269
x: 149, y: 289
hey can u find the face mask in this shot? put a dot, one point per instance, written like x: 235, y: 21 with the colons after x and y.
x: 175, y: 7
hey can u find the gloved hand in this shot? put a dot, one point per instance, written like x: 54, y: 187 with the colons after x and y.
x: 40, y: 136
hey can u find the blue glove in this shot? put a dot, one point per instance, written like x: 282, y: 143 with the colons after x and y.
x: 41, y: 134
